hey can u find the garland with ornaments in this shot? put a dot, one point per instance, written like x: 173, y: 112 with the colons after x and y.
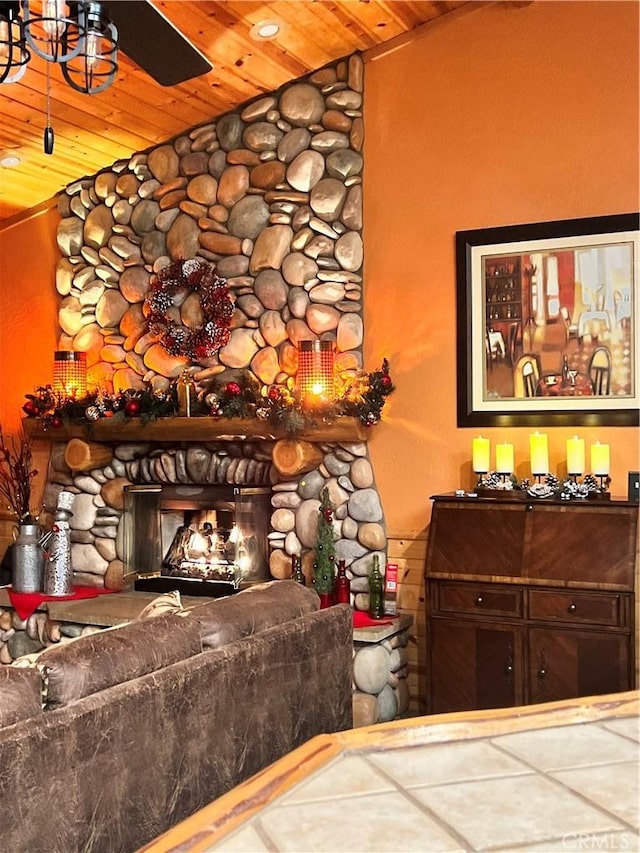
x: 191, y: 276
x: 362, y: 396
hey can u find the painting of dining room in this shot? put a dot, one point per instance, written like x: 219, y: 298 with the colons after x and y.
x: 558, y: 320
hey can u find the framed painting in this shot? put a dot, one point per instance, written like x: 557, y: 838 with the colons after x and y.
x: 547, y: 323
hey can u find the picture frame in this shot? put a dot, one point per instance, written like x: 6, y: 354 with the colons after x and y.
x: 548, y: 323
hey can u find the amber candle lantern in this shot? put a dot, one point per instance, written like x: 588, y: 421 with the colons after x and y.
x: 70, y: 374
x: 315, y: 377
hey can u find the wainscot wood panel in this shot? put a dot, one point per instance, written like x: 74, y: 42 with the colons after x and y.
x: 409, y: 551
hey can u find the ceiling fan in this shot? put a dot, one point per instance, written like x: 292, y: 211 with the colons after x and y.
x: 152, y: 42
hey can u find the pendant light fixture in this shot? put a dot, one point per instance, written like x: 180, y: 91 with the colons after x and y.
x: 78, y: 36
x: 93, y: 68
x: 56, y: 34
x: 14, y: 55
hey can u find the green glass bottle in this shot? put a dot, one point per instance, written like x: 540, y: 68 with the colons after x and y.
x: 376, y: 590
x: 297, y: 574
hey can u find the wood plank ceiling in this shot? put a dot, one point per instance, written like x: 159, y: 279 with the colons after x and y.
x: 92, y: 131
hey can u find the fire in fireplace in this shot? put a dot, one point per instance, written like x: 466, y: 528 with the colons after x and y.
x: 202, y: 540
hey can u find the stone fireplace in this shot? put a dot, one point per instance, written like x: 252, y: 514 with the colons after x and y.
x: 271, y: 195
x: 104, y: 553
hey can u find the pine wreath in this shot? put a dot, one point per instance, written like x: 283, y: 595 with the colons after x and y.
x: 197, y: 276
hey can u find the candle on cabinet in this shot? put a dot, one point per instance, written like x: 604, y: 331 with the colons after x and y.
x: 481, y: 454
x: 600, y: 459
x: 504, y: 458
x: 539, y: 453
x: 575, y: 455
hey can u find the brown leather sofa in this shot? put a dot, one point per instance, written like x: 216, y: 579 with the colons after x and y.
x: 144, y: 724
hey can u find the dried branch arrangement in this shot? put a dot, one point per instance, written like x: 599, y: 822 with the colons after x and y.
x: 16, y: 474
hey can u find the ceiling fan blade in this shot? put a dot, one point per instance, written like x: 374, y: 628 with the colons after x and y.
x: 152, y: 41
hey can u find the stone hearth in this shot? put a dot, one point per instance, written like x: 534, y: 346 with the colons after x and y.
x: 343, y: 467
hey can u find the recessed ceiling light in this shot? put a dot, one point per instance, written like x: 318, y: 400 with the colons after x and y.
x: 10, y: 161
x: 265, y: 29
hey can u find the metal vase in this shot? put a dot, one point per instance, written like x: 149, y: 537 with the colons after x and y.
x: 58, y: 573
x: 27, y: 559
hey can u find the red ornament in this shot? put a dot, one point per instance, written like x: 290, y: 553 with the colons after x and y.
x: 233, y: 389
x: 56, y: 421
x: 108, y: 413
x: 386, y: 381
x: 30, y: 408
x: 274, y: 393
x: 132, y: 408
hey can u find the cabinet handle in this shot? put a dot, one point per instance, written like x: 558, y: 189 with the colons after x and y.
x: 572, y: 608
x: 479, y: 601
x: 508, y: 669
x: 542, y: 673
x: 529, y: 507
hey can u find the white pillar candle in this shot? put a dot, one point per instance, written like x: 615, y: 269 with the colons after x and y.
x: 600, y: 459
x: 539, y: 452
x: 481, y: 454
x: 504, y: 458
x: 575, y: 455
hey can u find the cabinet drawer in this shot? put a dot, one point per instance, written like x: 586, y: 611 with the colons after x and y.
x: 600, y: 608
x: 477, y: 599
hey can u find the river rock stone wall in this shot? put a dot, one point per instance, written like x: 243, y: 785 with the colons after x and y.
x: 272, y: 195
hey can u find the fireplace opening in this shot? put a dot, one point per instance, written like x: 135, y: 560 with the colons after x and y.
x: 201, y: 540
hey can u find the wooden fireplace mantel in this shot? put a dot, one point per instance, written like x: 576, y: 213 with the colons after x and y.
x: 192, y: 429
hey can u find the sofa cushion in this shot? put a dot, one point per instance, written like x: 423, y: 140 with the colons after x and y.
x: 167, y: 602
x: 102, y: 660
x: 20, y: 694
x: 252, y: 610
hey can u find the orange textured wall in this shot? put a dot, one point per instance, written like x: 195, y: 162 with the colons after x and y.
x: 500, y: 116
x: 28, y: 257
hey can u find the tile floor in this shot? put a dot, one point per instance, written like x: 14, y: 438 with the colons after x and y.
x: 570, y: 788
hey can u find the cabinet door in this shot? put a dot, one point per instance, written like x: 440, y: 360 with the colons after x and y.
x: 476, y: 539
x: 565, y: 663
x: 582, y: 544
x: 473, y: 665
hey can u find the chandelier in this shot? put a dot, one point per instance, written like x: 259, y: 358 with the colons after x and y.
x: 77, y: 36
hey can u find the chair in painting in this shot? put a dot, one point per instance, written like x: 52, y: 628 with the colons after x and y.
x: 494, y: 346
x: 512, y: 337
x: 572, y: 328
x: 622, y: 303
x: 526, y: 376
x: 600, y: 371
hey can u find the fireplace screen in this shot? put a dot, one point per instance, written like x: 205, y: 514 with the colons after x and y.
x: 197, y: 536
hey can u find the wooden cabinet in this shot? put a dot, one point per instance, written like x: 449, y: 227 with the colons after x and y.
x: 528, y: 601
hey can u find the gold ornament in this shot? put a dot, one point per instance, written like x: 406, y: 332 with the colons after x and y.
x: 186, y: 391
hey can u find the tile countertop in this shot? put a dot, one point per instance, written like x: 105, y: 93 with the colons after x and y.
x: 556, y: 777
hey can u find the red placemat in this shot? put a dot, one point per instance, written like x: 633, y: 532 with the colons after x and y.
x: 26, y: 603
x: 363, y: 620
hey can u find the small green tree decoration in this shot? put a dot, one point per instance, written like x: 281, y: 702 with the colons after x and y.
x: 324, y: 565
